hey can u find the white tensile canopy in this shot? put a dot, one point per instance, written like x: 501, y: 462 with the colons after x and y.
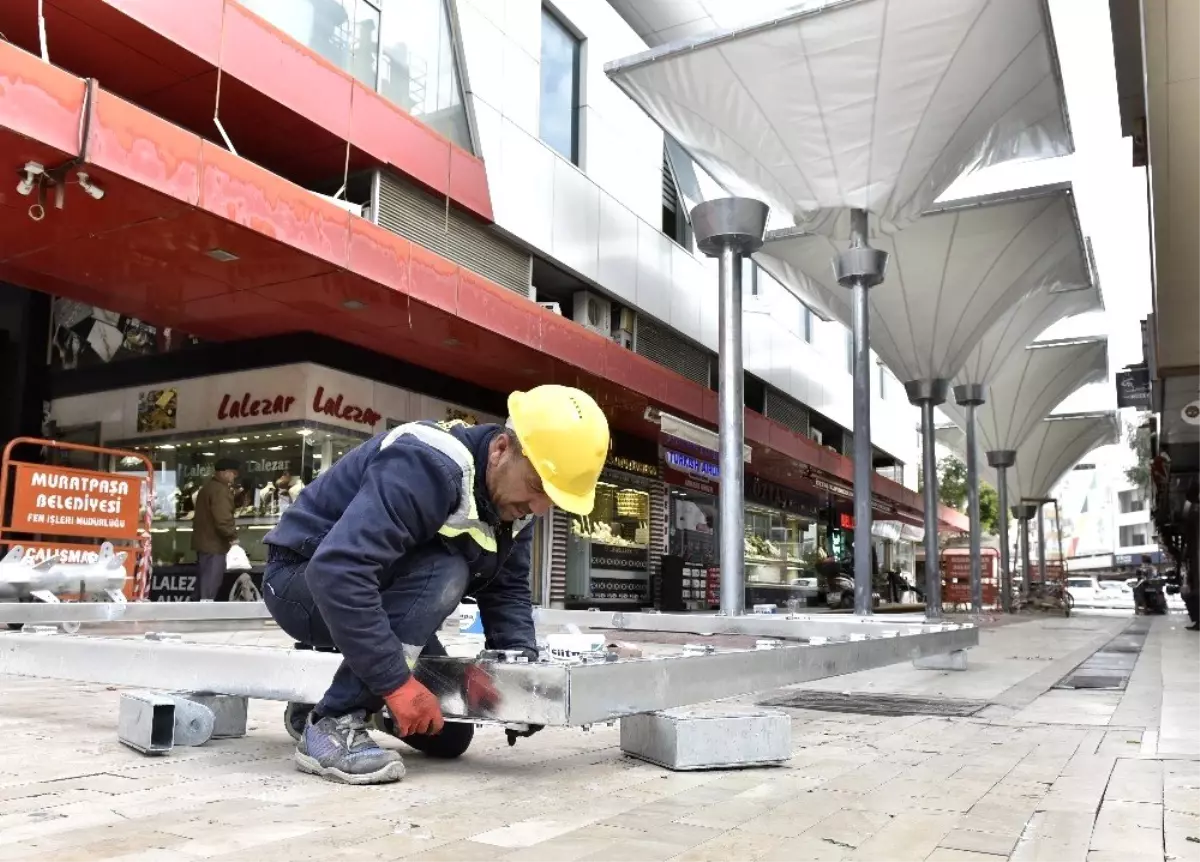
x: 870, y: 104
x: 952, y: 275
x: 1029, y: 387
x: 1053, y: 447
x: 1021, y: 325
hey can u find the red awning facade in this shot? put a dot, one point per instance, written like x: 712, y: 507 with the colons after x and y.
x: 172, y: 197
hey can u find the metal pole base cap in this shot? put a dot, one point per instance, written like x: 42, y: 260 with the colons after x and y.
x: 970, y: 394
x: 1002, y: 458
x: 861, y: 265
x: 934, y: 391
x: 737, y: 223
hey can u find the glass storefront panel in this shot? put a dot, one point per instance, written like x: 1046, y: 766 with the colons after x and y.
x: 276, y: 464
x: 608, y: 552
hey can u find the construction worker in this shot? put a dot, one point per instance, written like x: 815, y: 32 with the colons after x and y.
x: 383, y: 546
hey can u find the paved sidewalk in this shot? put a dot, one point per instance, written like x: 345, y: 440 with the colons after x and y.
x: 1039, y: 774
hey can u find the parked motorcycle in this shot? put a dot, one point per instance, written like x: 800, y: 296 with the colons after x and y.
x: 1149, y: 595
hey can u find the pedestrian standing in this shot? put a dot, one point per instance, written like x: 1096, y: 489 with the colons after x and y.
x: 213, y: 530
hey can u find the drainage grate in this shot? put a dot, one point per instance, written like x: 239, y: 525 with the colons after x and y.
x: 1110, y: 667
x: 874, y: 704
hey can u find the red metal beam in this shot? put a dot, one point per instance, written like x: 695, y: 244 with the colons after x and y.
x: 281, y: 103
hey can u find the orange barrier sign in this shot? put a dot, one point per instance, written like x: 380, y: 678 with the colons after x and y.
x: 67, y: 502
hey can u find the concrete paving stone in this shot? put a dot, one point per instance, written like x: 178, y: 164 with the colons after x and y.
x: 808, y: 849
x: 1056, y: 836
x: 745, y: 843
x: 455, y: 851
x: 1085, y: 707
x: 1122, y: 743
x: 661, y: 829
x: 864, y: 779
x: 943, y: 854
x: 726, y: 815
x: 1181, y: 787
x: 322, y: 843
x: 1127, y: 832
x: 1135, y: 781
x: 1181, y: 835
x: 848, y: 828
x: 995, y: 843
x: 911, y: 837
x: 565, y: 848
x: 792, y: 818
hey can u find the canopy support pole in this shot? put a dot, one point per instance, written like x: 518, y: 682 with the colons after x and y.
x: 860, y: 268
x: 1001, y: 460
x: 970, y: 395
x: 1041, y: 530
x: 729, y: 229
x: 1023, y: 513
x: 928, y: 394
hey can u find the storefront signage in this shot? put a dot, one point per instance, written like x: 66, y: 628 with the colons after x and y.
x: 628, y: 465
x: 836, y: 490
x: 249, y: 406
x: 846, y: 522
x: 694, y: 466
x: 338, y: 409
x: 1133, y: 388
x: 778, y: 497
x: 685, y: 480
x: 75, y: 503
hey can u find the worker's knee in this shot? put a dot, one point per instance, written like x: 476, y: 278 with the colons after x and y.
x: 452, y: 742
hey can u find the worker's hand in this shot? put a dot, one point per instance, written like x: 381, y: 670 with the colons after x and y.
x: 481, y: 692
x: 414, y: 709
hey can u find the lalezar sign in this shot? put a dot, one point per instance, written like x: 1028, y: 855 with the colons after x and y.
x: 1133, y: 387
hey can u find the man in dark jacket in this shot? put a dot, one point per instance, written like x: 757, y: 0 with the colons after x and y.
x: 213, y: 530
x: 382, y: 547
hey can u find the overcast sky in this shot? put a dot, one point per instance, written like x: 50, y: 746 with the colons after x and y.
x: 1111, y: 195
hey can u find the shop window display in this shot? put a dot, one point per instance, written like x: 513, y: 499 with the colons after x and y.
x: 276, y: 464
x: 782, y: 550
x: 608, y: 551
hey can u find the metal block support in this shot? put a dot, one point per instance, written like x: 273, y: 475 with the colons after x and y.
x: 538, y: 693
x: 724, y: 738
x: 193, y: 722
x: 229, y: 713
x: 146, y: 721
x: 956, y: 660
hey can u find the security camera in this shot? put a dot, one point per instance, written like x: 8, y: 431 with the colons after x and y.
x: 33, y: 170
x: 88, y: 186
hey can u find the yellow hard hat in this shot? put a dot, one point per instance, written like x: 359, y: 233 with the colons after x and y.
x: 564, y: 434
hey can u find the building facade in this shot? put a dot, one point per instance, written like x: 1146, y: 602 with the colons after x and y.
x: 444, y: 197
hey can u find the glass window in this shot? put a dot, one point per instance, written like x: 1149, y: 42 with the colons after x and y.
x: 344, y: 32
x: 418, y: 68
x: 1131, y: 501
x: 609, y: 550
x: 559, y: 122
x: 277, y: 463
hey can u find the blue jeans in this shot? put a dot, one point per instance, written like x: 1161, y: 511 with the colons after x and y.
x: 417, y: 601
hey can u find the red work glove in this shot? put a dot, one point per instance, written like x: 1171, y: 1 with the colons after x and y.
x: 415, y: 709
x: 481, y: 691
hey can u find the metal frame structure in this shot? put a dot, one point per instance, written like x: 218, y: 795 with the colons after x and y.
x: 543, y: 693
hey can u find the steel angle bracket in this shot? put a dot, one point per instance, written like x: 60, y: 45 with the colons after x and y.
x: 541, y: 693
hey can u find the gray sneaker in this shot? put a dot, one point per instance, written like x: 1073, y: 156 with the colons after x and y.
x: 340, y: 749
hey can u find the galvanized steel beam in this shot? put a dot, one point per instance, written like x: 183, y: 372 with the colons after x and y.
x: 541, y: 693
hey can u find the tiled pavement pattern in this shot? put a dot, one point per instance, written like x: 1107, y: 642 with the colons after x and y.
x: 1038, y: 775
